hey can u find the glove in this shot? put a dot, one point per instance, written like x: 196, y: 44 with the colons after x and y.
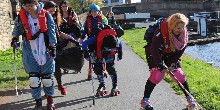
x: 119, y: 56
x: 161, y: 67
x: 52, y: 51
x: 15, y: 43
x: 86, y: 55
x: 173, y: 67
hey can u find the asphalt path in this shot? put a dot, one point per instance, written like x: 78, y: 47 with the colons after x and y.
x: 132, y: 75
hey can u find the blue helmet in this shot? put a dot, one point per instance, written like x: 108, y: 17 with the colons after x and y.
x: 94, y: 7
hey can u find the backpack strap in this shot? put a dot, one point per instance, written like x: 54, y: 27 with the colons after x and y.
x: 165, y: 36
x: 89, y: 21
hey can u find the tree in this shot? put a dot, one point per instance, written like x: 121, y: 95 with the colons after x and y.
x: 77, y: 5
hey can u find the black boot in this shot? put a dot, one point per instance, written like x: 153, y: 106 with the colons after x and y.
x: 38, y: 105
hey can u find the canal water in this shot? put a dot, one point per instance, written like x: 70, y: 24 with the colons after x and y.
x: 208, y: 52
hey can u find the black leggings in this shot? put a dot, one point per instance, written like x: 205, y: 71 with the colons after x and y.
x: 98, y: 69
x: 149, y: 87
x: 58, y: 73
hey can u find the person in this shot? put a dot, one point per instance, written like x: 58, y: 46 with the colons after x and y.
x: 163, y: 55
x: 70, y: 25
x: 107, y: 45
x: 93, y: 21
x: 38, y: 49
x: 111, y: 18
x: 111, y: 21
x: 53, y: 9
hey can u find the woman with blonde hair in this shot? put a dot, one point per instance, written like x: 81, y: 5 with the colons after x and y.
x: 163, y: 55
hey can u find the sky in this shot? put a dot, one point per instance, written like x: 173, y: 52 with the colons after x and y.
x: 134, y: 1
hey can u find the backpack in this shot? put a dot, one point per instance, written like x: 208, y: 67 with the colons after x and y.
x: 150, y: 31
x: 107, y: 43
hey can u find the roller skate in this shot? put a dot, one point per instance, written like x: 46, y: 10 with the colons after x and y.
x: 62, y: 89
x: 191, y: 103
x: 50, y: 104
x: 145, y: 105
x: 115, y: 91
x: 38, y: 105
x: 101, y: 90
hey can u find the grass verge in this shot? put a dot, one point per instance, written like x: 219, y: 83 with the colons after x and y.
x: 7, y: 77
x: 203, y: 79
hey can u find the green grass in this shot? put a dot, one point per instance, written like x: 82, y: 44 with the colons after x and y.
x: 203, y: 79
x: 7, y: 79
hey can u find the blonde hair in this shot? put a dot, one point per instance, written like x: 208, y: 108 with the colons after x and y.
x: 176, y: 19
x: 59, y: 18
x: 173, y: 21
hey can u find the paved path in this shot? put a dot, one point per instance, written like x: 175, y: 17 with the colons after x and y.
x: 132, y: 75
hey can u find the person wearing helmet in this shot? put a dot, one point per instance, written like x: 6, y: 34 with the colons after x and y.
x: 93, y: 22
x: 108, y: 44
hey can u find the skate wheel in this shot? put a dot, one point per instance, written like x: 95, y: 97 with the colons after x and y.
x: 118, y: 92
x: 106, y: 92
x: 102, y: 93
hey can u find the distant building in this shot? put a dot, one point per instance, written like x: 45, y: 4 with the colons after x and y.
x: 117, y: 2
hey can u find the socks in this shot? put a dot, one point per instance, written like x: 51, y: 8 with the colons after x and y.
x: 149, y: 87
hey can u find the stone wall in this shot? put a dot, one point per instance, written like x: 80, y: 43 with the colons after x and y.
x: 5, y: 24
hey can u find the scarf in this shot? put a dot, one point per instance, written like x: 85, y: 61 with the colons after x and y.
x: 180, y: 41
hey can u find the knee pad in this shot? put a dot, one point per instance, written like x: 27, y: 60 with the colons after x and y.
x: 34, y: 79
x: 179, y: 74
x: 47, y: 80
x: 156, y: 76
